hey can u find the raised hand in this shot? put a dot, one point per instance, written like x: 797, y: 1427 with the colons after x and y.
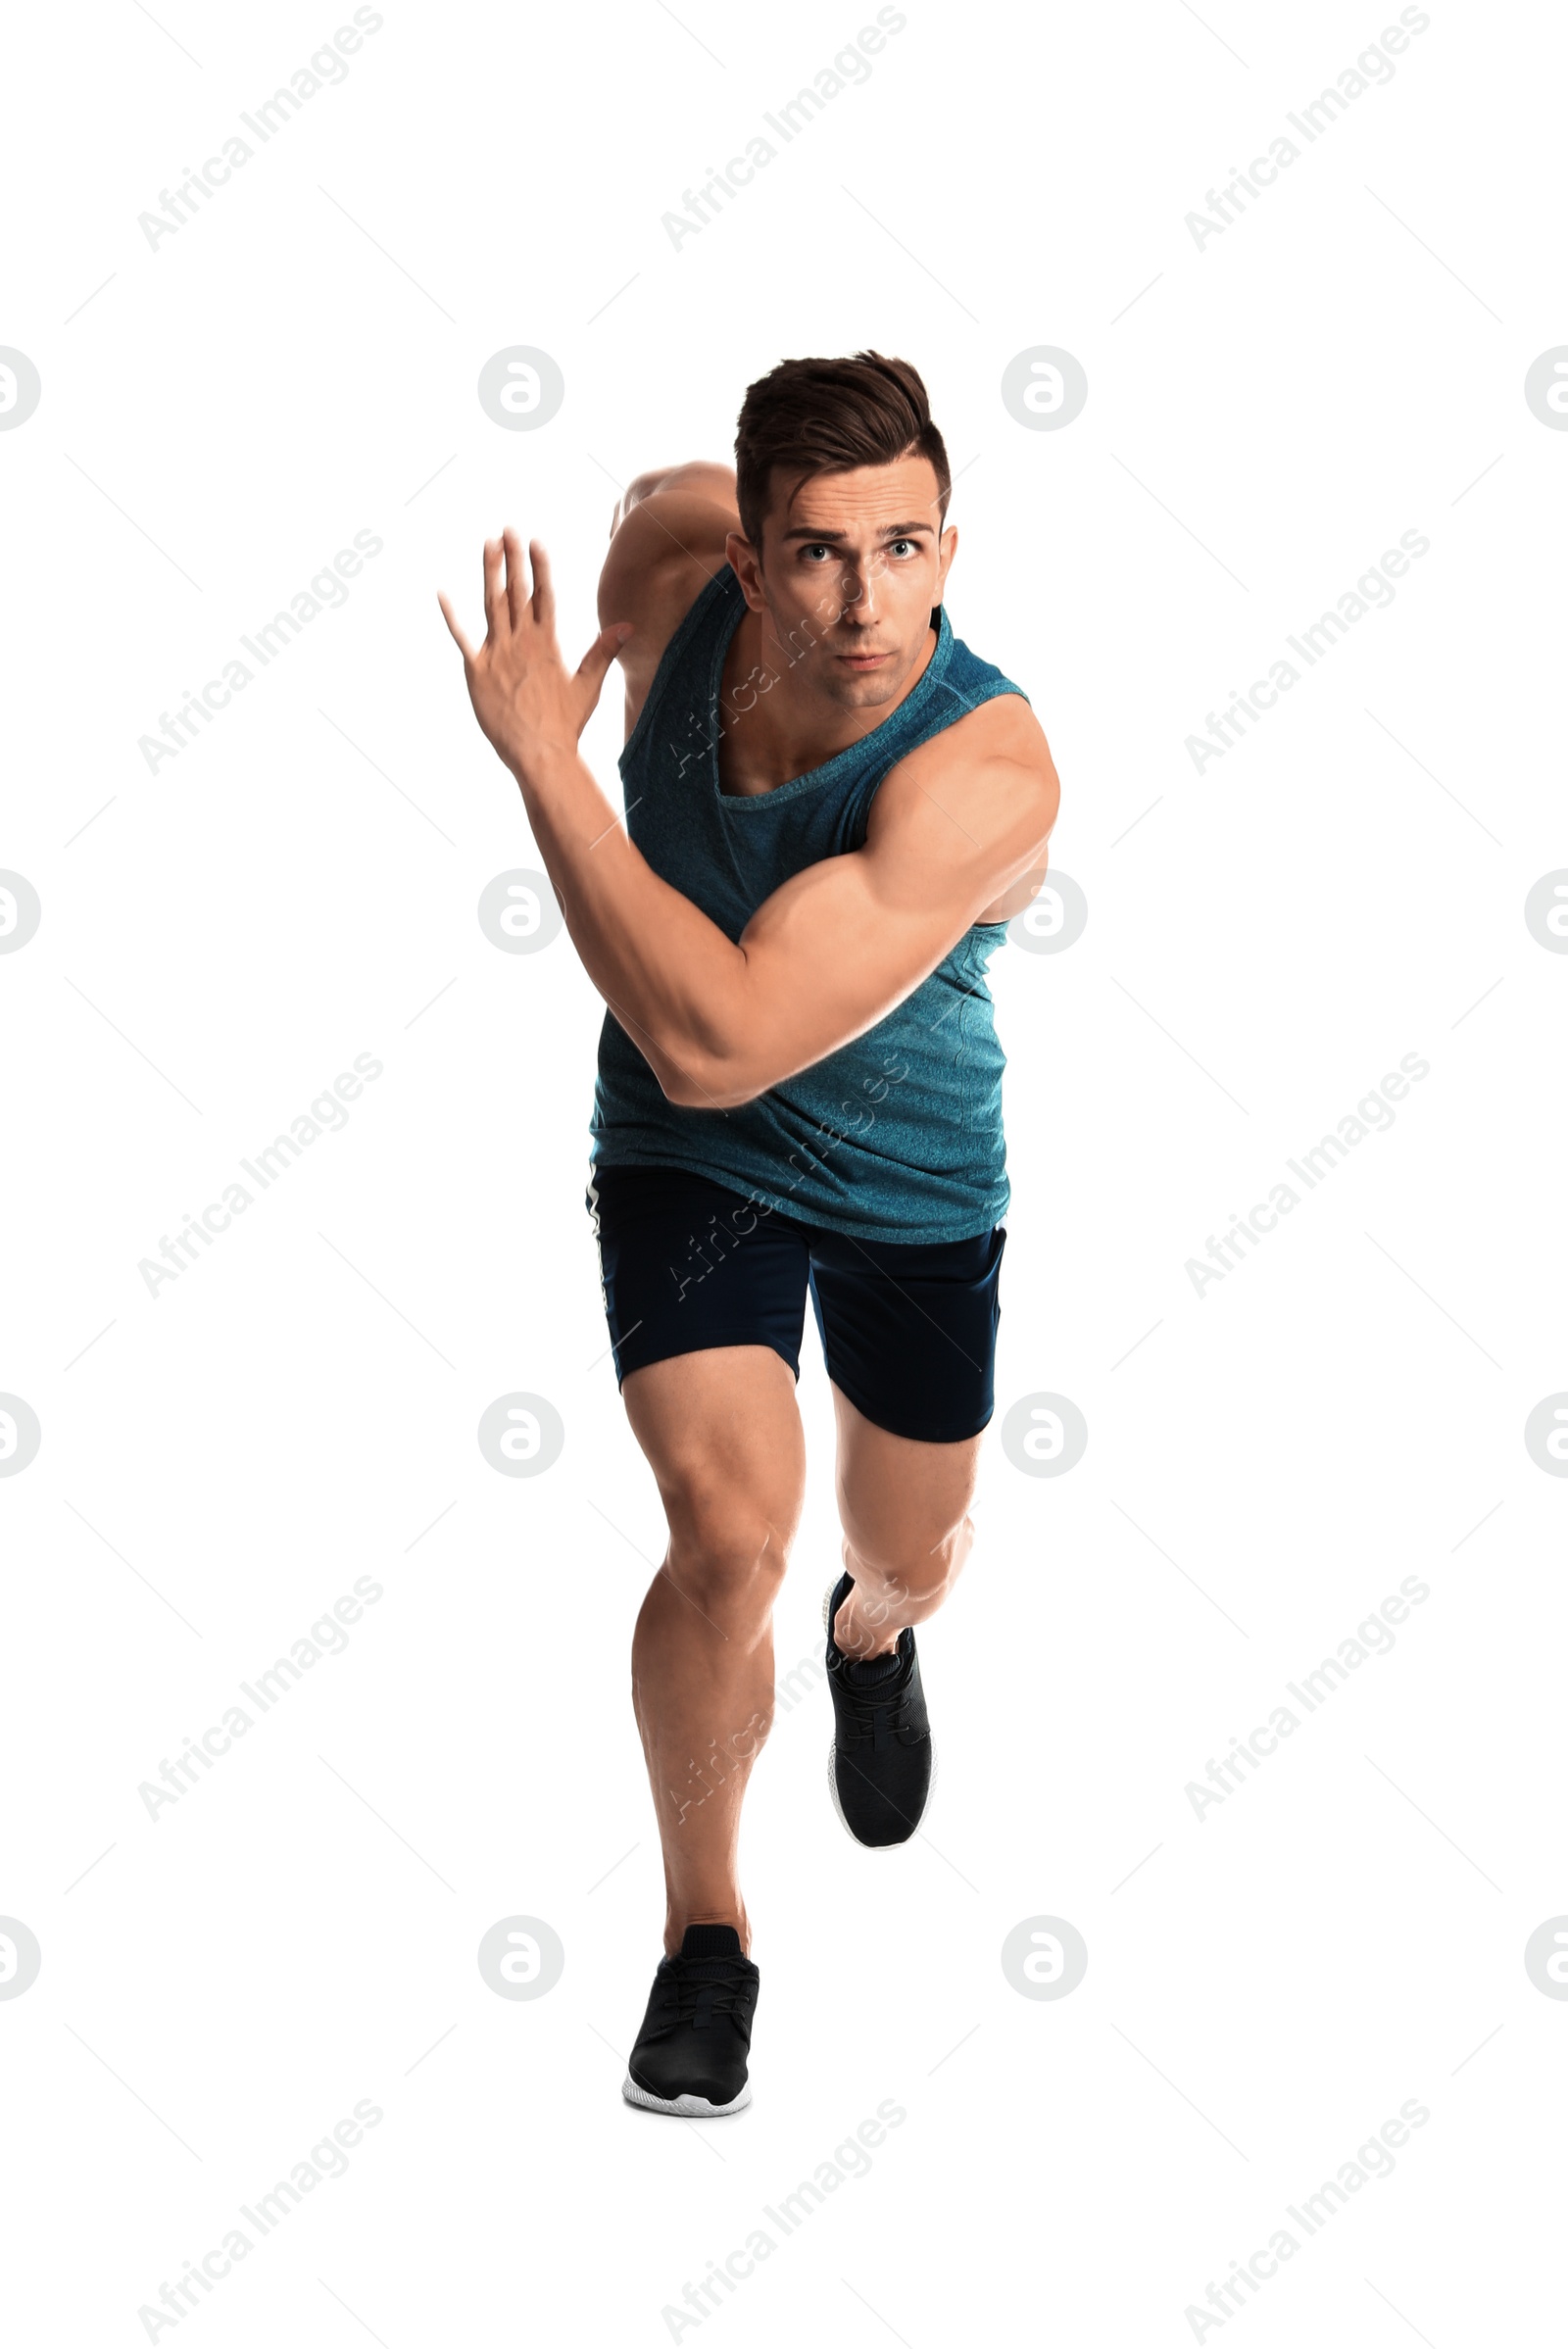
x: 528, y: 704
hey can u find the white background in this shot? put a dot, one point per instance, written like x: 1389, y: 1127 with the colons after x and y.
x: 1265, y: 415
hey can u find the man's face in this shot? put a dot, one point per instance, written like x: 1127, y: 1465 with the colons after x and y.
x: 850, y: 567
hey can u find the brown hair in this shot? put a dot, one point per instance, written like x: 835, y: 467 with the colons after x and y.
x: 829, y: 415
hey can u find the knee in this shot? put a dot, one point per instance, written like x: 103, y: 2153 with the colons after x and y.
x: 905, y: 1570
x: 727, y: 1555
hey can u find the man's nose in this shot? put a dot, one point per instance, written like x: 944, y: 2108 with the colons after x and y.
x: 856, y: 594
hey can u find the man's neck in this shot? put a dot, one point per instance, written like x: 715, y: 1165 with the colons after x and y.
x: 773, y: 732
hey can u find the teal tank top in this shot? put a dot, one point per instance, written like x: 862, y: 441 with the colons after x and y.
x: 895, y: 1136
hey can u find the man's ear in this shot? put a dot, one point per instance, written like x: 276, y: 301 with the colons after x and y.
x: 747, y: 564
x: 947, y: 548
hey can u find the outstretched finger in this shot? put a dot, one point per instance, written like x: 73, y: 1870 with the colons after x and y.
x: 496, y: 618
x: 516, y: 588
x: 461, y: 641
x: 544, y: 592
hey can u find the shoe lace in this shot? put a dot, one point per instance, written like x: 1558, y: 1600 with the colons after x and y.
x: 704, y: 1988
x: 878, y: 1713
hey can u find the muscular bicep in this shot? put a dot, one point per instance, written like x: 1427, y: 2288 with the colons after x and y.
x: 839, y: 945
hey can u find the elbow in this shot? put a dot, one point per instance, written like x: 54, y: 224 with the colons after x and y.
x: 707, y: 1057
x: 704, y: 1081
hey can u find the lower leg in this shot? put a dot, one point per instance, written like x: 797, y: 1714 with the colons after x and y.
x: 703, y: 1692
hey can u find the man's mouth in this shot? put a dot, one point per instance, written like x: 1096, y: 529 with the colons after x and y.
x: 863, y: 660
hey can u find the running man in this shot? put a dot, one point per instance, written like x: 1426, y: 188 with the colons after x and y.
x: 832, y: 808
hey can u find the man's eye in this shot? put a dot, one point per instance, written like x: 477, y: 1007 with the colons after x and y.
x: 818, y: 549
x: 902, y: 542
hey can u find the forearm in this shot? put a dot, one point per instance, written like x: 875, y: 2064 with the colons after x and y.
x: 828, y: 954
x: 670, y: 975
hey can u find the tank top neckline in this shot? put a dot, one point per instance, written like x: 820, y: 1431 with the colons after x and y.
x: 841, y: 761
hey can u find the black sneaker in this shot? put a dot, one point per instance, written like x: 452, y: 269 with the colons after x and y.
x: 690, y: 2056
x: 881, y: 1764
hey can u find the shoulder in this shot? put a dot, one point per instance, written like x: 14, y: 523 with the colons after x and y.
x: 662, y: 555
x: 990, y: 773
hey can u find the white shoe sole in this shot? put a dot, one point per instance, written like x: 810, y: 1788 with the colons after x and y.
x: 832, y: 1772
x: 685, y: 2108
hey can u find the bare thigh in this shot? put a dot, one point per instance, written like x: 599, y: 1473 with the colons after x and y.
x: 722, y: 1432
x: 904, y: 1505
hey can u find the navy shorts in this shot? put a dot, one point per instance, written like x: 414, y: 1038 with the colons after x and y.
x: 908, y: 1332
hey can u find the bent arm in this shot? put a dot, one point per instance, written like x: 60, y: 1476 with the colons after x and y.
x: 961, y: 818
x: 827, y: 954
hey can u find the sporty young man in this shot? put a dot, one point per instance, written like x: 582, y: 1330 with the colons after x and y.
x: 832, y: 808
